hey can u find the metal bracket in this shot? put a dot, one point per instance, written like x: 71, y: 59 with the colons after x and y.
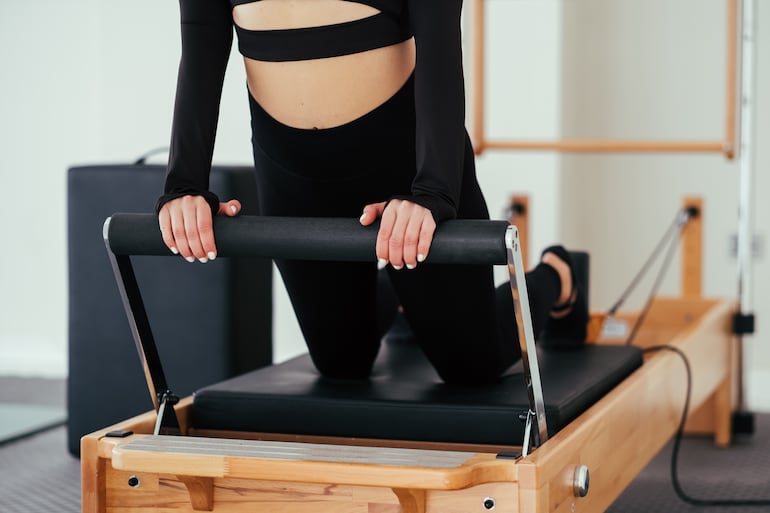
x: 743, y: 323
x: 167, y: 422
x: 536, y: 414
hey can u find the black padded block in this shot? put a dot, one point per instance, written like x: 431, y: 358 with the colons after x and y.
x: 210, y: 322
x: 406, y: 400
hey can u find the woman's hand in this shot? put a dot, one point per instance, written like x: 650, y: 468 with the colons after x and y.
x: 406, y: 232
x: 187, y: 227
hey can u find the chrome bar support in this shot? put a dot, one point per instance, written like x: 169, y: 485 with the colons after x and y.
x: 746, y: 163
x: 162, y: 397
x: 536, y: 413
x: 746, y: 156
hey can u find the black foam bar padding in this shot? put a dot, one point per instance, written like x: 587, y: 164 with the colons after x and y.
x: 455, y: 242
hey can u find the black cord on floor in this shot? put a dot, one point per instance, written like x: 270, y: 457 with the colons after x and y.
x: 678, y: 440
x: 674, y: 229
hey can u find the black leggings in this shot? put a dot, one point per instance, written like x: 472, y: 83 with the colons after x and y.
x: 465, y: 326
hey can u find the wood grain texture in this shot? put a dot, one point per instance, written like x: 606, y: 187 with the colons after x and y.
x: 620, y: 434
x: 692, y: 249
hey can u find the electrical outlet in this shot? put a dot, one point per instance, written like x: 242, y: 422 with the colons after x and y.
x: 757, y: 246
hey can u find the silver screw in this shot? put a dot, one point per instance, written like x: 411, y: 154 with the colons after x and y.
x: 580, y: 484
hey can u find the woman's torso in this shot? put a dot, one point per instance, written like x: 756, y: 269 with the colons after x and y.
x: 326, y: 92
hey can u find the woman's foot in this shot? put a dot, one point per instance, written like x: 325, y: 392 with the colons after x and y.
x: 568, y: 321
x: 568, y: 294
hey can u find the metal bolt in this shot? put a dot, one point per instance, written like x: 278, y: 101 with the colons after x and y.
x: 489, y: 503
x: 133, y: 482
x: 580, y: 484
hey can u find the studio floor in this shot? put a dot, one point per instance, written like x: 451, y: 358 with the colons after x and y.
x: 38, y: 475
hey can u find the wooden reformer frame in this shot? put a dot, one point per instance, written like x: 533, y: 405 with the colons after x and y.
x: 127, y: 468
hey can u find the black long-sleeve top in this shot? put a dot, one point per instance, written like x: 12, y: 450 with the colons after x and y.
x: 207, y: 33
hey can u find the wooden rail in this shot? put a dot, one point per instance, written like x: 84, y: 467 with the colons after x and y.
x: 727, y: 146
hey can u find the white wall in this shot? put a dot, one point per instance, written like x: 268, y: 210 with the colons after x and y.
x: 523, y: 82
x: 655, y: 69
x: 83, y: 82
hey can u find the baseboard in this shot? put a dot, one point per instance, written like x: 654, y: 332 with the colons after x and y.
x: 33, y: 356
x: 758, y: 391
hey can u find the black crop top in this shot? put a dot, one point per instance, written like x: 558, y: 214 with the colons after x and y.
x: 388, y: 27
x: 207, y: 31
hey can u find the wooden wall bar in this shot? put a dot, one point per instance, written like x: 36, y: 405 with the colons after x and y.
x: 726, y: 146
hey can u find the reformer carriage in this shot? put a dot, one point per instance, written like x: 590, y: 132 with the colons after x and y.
x: 566, y: 431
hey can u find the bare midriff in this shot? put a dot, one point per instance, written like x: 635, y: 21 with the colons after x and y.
x: 321, y: 93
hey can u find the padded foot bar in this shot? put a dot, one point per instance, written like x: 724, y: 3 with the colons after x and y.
x: 455, y: 242
x: 480, y: 242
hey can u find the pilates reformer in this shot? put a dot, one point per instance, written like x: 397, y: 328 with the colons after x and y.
x: 283, y: 439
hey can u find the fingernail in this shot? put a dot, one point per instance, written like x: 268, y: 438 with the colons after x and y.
x: 203, y: 260
x: 175, y: 251
x: 212, y: 255
x: 410, y: 266
x: 190, y: 259
x: 420, y: 257
x: 398, y: 267
x: 233, y: 209
x: 381, y: 263
x: 361, y: 219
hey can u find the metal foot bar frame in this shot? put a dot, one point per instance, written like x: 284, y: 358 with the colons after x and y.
x: 455, y: 242
x: 536, y: 413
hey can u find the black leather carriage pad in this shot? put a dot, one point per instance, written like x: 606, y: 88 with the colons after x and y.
x: 405, y: 399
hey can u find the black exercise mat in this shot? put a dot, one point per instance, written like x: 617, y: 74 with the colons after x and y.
x: 406, y: 400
